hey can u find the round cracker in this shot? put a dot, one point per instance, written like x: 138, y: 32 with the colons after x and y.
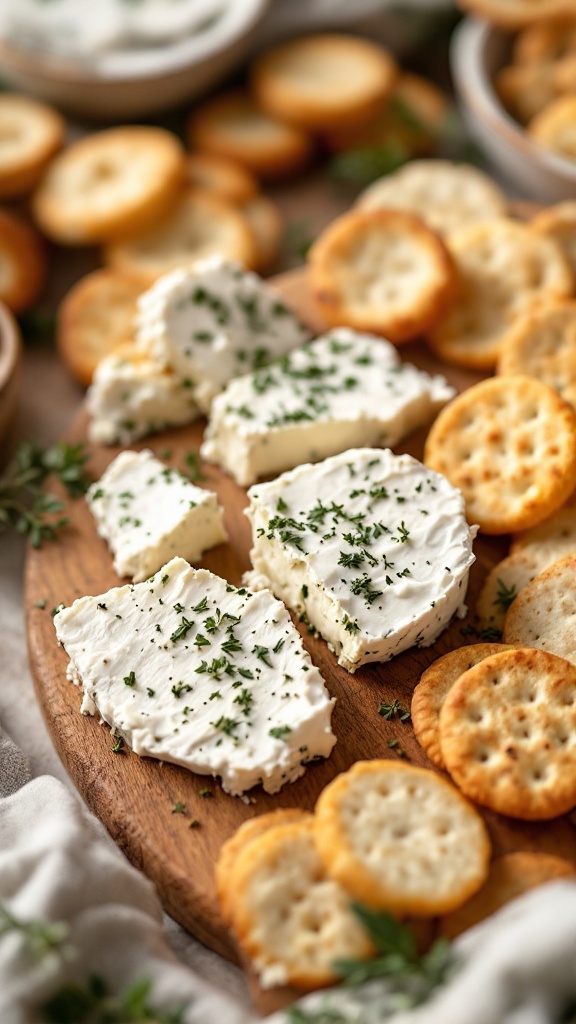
x: 508, y: 734
x: 381, y: 271
x: 552, y: 539
x: 509, y: 444
x: 233, y: 126
x: 318, y: 80
x: 266, y: 224
x: 430, y: 693
x: 543, y: 345
x: 245, y: 834
x: 22, y: 263
x: 543, y: 614
x: 505, y: 270
x: 559, y: 222
x: 555, y: 127
x: 410, y: 118
x: 201, y: 225
x: 110, y: 185
x: 510, y: 876
x: 502, y: 586
x: 512, y: 14
x: 287, y: 914
x: 446, y: 195
x: 30, y: 134
x: 225, y: 178
x: 95, y: 317
x: 401, y: 838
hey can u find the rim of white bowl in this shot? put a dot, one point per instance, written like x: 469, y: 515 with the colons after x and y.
x: 145, y: 63
x: 468, y: 63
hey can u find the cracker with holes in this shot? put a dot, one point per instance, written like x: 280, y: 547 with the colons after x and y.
x: 401, y: 838
x: 447, y: 196
x: 502, y: 586
x: 509, y: 444
x: 544, y: 614
x: 559, y: 222
x: 245, y: 834
x: 95, y: 318
x: 30, y: 135
x: 382, y: 271
x: 508, y: 734
x: 111, y: 184
x: 430, y: 693
x: 287, y: 914
x: 200, y: 225
x: 552, y: 539
x: 510, y: 876
x: 505, y: 270
x: 543, y: 345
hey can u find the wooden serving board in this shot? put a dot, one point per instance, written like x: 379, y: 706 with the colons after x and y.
x: 134, y: 797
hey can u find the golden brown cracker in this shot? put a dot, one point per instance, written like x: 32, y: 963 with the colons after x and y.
x: 505, y: 270
x: 509, y: 444
x: 382, y: 271
x: 401, y: 838
x: 430, y: 693
x: 508, y: 734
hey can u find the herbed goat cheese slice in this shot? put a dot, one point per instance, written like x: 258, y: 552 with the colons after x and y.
x: 149, y: 512
x: 213, y: 321
x: 371, y: 548
x: 189, y: 669
x: 343, y: 390
x: 131, y: 396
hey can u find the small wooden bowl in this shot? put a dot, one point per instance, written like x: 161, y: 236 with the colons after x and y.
x: 10, y: 374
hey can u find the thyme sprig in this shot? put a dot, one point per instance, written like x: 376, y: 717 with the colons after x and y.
x: 398, y: 957
x: 24, y: 505
x: 88, y: 1002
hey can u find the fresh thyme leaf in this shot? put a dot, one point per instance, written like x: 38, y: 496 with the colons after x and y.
x: 505, y: 595
x: 24, y: 506
x: 41, y: 937
x: 398, y: 957
x: 394, y: 710
x: 324, y: 1015
x: 179, y: 808
x: 194, y: 466
x: 118, y: 745
x: 92, y: 1003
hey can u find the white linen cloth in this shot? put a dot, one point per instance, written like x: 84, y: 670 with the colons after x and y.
x: 58, y: 864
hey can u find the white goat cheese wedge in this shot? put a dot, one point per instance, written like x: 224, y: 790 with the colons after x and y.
x: 213, y: 321
x: 189, y: 669
x: 343, y: 390
x: 131, y: 396
x: 149, y: 512
x: 372, y: 548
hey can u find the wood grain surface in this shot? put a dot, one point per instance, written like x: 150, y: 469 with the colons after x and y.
x: 134, y: 797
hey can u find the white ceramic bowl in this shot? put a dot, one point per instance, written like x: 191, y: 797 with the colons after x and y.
x: 10, y: 375
x: 478, y: 51
x: 136, y: 83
